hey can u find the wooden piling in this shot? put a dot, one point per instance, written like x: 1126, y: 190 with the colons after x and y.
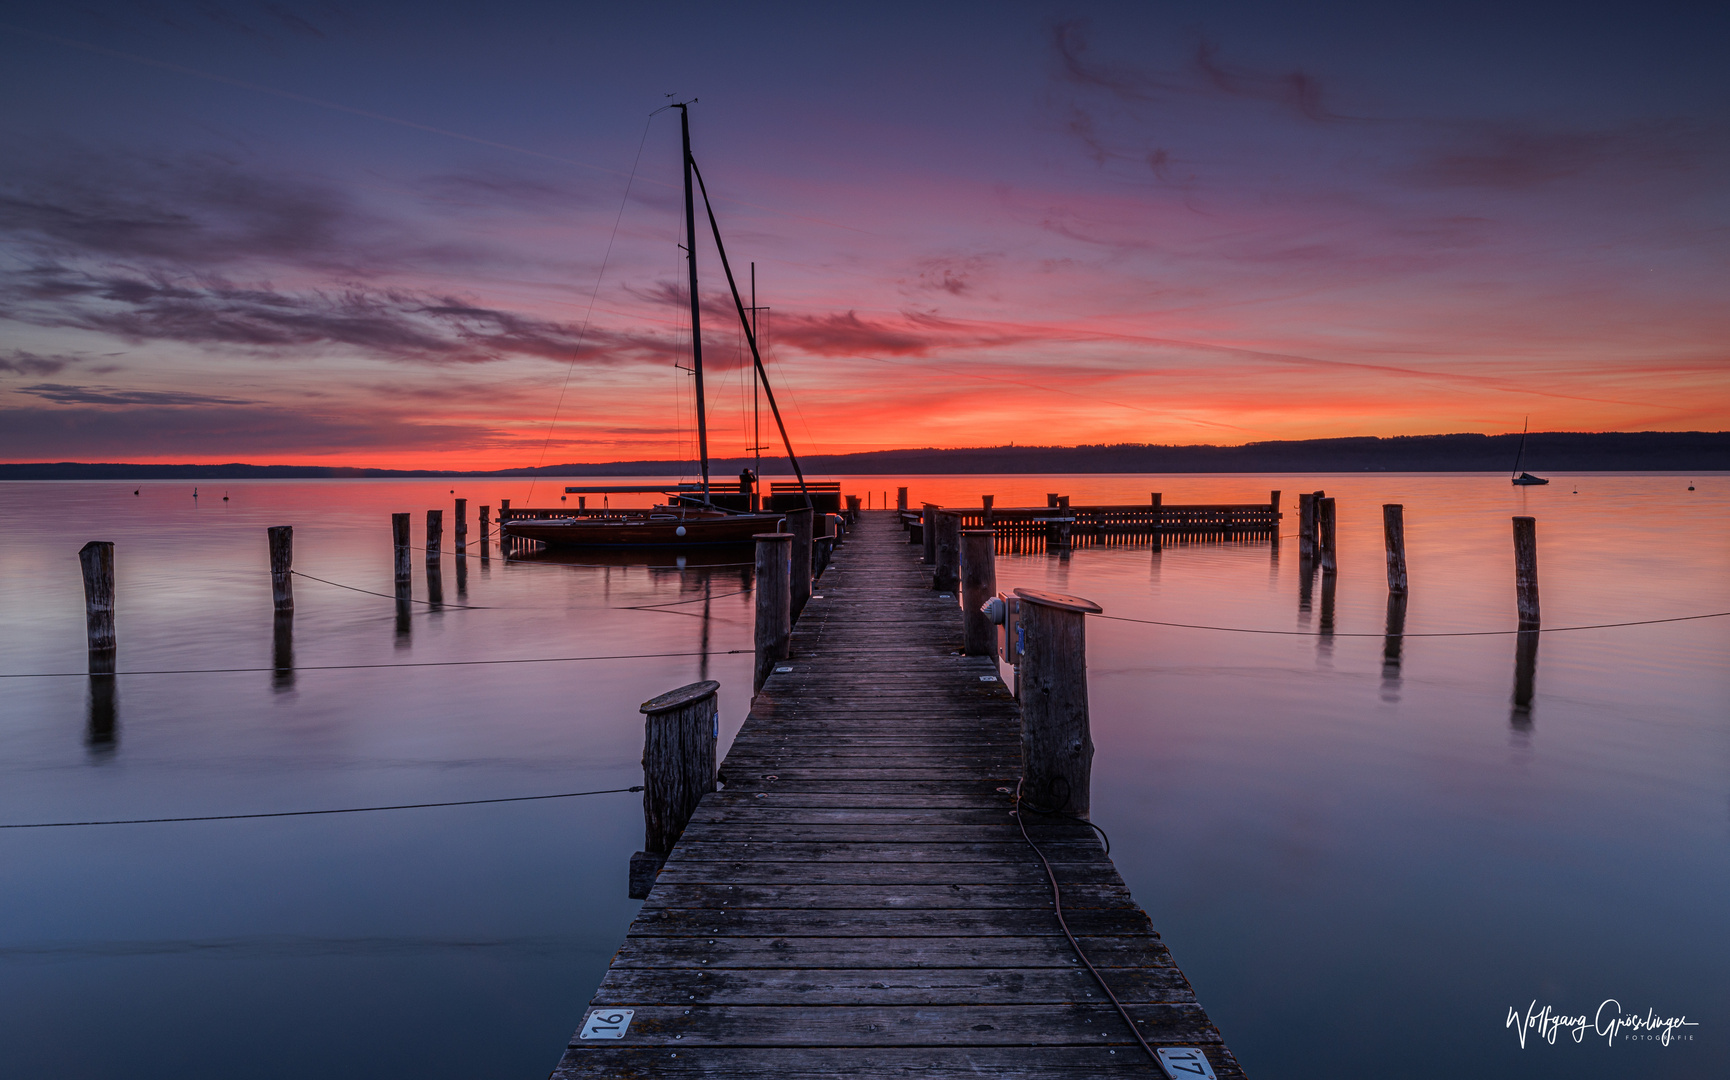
x: 1065, y: 529
x: 774, y: 610
x: 1526, y: 571
x: 96, y: 559
x: 901, y: 498
x: 462, y: 527
x: 1056, y: 741
x: 799, y: 523
x: 1306, y: 526
x: 399, y: 538
x: 680, y: 729
x: 852, y: 508
x: 504, y: 512
x: 435, y: 528
x: 947, y: 575
x: 987, y: 501
x: 1394, y: 534
x: 282, y: 567
x: 1158, y: 520
x: 978, y: 584
x: 1325, y: 539
x: 928, y: 531
x: 485, y: 531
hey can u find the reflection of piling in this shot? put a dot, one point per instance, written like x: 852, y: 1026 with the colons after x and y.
x: 1394, y: 643
x: 282, y: 568
x: 1394, y: 534
x: 435, y: 529
x: 774, y: 613
x: 1056, y: 742
x: 1326, y: 624
x: 680, y: 729
x: 282, y: 652
x: 435, y: 584
x: 1325, y: 534
x: 947, y: 576
x: 800, y: 524
x: 1526, y: 571
x: 978, y: 584
x: 103, y: 721
x: 1525, y: 677
x: 462, y: 526
x: 462, y: 579
x: 1306, y: 526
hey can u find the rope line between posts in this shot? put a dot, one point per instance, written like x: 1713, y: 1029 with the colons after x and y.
x: 1422, y: 634
x: 388, y: 596
x: 677, y: 603
x: 306, y: 813
x: 519, y: 560
x: 370, y: 667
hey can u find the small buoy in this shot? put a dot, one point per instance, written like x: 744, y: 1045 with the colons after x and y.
x: 680, y: 531
x: 1690, y: 488
x: 225, y: 498
x: 134, y: 491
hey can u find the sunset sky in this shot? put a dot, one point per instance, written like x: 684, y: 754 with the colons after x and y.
x: 400, y: 235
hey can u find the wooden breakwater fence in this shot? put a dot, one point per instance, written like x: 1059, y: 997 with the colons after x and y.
x: 868, y: 884
x: 1058, y: 525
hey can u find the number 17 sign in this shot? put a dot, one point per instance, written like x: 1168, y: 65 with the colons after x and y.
x: 1186, y: 1062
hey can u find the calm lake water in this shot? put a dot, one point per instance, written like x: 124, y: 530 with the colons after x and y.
x: 1362, y: 868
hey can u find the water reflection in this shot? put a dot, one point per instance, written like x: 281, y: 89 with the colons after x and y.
x: 101, y: 729
x: 1325, y: 637
x: 1525, y: 675
x: 282, y: 652
x: 1306, y: 587
x: 462, y: 578
x: 1392, y: 646
x: 435, y: 584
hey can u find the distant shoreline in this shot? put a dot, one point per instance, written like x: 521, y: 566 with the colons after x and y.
x: 1645, y: 451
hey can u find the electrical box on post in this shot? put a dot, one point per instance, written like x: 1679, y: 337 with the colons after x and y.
x: 1005, y: 610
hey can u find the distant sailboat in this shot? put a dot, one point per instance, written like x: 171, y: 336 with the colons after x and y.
x: 1524, y: 479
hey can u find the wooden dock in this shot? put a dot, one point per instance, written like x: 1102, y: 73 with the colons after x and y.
x: 859, y: 901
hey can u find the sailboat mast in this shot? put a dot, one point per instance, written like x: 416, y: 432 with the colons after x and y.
x: 1521, y: 453
x: 756, y: 416
x: 696, y: 304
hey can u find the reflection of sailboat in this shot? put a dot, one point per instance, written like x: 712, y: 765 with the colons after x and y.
x: 1524, y: 479
x: 694, y: 516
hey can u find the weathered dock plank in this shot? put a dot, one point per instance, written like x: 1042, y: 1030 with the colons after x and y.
x: 857, y: 900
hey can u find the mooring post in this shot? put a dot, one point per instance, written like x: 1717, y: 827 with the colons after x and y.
x: 1325, y: 528
x: 96, y: 559
x: 680, y: 729
x: 1394, y: 533
x: 987, y: 501
x: 1158, y: 520
x: 462, y: 526
x: 504, y: 512
x: 928, y: 532
x: 1065, y: 533
x: 1306, y: 526
x: 799, y: 524
x: 1273, y: 509
x: 485, y: 530
x: 947, y: 576
x: 901, y: 498
x: 978, y: 584
x: 399, y: 538
x: 435, y: 528
x: 774, y: 611
x: 1526, y: 570
x: 1056, y: 742
x: 282, y: 566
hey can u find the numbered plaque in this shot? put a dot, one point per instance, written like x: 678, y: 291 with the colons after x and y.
x: 1184, y: 1061
x: 613, y: 1023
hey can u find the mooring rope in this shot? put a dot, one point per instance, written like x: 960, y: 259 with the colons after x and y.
x: 305, y: 813
x: 1422, y: 634
x: 371, y: 667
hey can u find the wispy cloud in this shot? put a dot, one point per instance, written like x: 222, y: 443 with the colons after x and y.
x: 83, y: 395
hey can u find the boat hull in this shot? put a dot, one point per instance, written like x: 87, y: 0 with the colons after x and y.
x: 672, y: 534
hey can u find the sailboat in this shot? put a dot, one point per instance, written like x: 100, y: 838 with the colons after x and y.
x: 1524, y: 479
x: 695, y: 515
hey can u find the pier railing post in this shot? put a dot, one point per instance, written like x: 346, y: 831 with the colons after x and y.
x: 96, y: 559
x: 680, y: 729
x: 987, y: 501
x: 901, y: 498
x: 282, y: 567
x: 1158, y: 520
x: 799, y: 523
x: 462, y: 526
x: 978, y: 584
x: 1056, y: 740
x: 928, y: 532
x: 1325, y: 523
x: 774, y: 613
x: 947, y: 576
x: 1273, y: 509
x: 1306, y: 526
x: 1526, y: 571
x: 1394, y: 534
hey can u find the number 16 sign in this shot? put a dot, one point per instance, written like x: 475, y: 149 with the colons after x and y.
x: 611, y: 1024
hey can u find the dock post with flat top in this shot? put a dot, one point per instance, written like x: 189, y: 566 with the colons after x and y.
x: 282, y: 567
x: 1526, y: 571
x: 1056, y: 740
x: 1394, y: 534
x: 1306, y: 526
x: 96, y: 560
x: 928, y: 532
x: 774, y: 610
x: 399, y: 526
x: 799, y: 523
x: 947, y: 575
x: 901, y: 498
x: 462, y: 527
x: 435, y: 531
x: 1325, y: 523
x: 680, y: 729
x: 978, y: 584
